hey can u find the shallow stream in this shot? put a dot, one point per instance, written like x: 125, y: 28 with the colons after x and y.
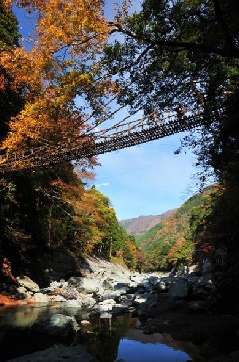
x: 108, y: 337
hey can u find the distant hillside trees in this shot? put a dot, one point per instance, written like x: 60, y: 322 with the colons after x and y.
x: 182, y: 239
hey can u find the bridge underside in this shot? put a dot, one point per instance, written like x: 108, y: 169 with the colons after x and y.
x: 147, y: 135
x: 93, y: 146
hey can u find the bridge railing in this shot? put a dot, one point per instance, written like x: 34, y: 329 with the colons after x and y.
x: 143, y: 123
x: 122, y: 135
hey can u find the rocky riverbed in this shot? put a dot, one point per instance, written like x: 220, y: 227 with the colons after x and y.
x: 178, y: 306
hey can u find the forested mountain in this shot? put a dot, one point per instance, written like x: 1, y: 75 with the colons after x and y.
x: 176, y: 240
x: 139, y: 225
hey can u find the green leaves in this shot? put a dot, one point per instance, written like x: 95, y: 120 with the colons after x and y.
x: 8, y: 28
x: 10, y: 98
x: 168, y: 46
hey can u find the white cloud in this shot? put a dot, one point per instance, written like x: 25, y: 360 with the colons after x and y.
x: 103, y: 184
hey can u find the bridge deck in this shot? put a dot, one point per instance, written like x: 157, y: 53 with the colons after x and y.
x: 101, y: 142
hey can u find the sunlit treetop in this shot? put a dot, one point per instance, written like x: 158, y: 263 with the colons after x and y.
x: 65, y: 88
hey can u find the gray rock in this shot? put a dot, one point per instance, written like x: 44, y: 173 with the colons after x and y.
x: 146, y: 303
x: 57, y: 328
x: 58, y: 354
x: 119, y: 308
x: 174, y: 286
x: 87, y: 285
x: 40, y: 298
x: 27, y: 283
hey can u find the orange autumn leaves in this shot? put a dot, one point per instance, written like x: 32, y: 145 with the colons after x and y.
x: 61, y: 66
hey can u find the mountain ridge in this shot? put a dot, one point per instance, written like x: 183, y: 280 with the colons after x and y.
x: 139, y: 225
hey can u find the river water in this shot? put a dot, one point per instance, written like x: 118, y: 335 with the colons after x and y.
x: 108, y: 337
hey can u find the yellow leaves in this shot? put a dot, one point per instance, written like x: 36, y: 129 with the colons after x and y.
x: 26, y: 128
x: 77, y: 25
x: 65, y: 28
x: 85, y: 212
x: 76, y: 79
x: 39, y: 119
x: 62, y: 64
x: 21, y: 67
x: 75, y: 82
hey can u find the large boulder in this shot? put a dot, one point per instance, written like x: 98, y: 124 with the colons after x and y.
x: 146, y: 303
x: 86, y: 285
x: 175, y: 287
x: 28, y: 284
x: 57, y: 328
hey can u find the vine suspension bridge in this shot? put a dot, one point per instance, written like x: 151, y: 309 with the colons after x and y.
x: 119, y: 136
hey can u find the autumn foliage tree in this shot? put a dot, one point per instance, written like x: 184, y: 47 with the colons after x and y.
x: 58, y: 70
x: 57, y: 73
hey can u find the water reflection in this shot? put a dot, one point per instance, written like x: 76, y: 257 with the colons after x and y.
x: 139, y: 347
x: 108, y: 337
x: 21, y: 316
x: 134, y: 351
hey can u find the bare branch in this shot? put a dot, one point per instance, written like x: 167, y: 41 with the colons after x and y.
x: 179, y: 45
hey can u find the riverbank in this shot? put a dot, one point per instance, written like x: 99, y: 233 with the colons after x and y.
x: 6, y: 301
x: 175, y: 306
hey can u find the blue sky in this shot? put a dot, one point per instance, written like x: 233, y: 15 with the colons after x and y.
x: 148, y: 179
